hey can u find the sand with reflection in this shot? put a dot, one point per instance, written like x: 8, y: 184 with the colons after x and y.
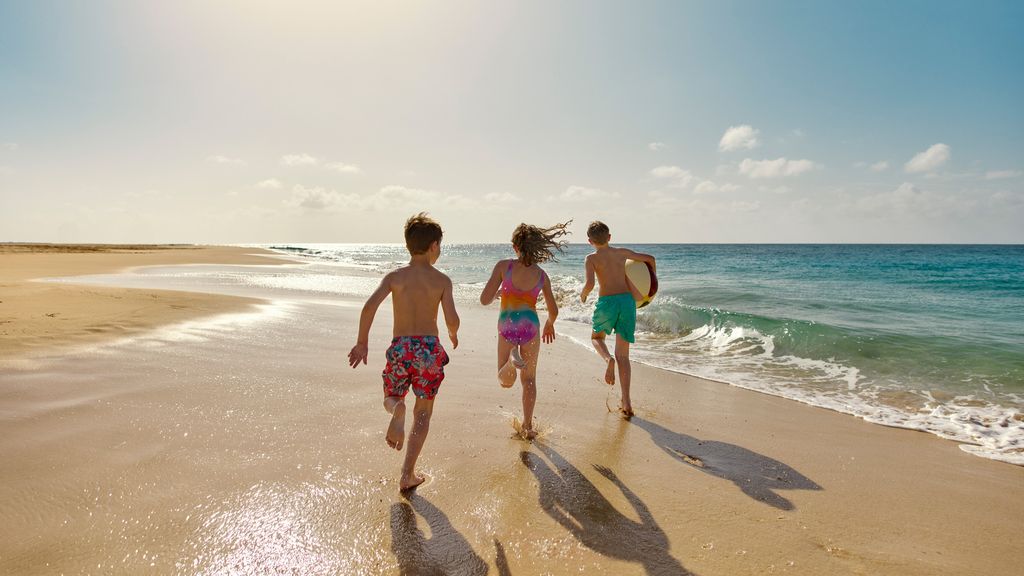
x: 246, y: 445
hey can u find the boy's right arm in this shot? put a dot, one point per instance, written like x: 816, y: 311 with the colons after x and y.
x: 589, y: 285
x: 361, y: 350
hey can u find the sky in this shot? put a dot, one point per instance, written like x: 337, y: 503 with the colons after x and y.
x: 676, y: 121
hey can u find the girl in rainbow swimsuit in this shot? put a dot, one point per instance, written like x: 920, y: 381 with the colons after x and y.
x: 519, y: 282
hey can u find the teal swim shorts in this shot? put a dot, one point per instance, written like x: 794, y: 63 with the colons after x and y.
x: 616, y: 313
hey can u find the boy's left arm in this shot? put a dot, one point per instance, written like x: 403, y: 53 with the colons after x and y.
x: 641, y: 257
x: 451, y: 316
x: 361, y: 350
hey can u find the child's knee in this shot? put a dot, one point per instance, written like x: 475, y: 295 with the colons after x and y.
x: 421, y: 418
x: 622, y: 357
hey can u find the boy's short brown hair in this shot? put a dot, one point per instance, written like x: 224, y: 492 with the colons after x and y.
x: 420, y: 232
x: 598, y: 232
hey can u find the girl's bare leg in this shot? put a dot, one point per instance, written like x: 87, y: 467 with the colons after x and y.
x: 528, y: 378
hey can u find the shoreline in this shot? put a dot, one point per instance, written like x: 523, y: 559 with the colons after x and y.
x: 119, y: 461
x: 40, y: 317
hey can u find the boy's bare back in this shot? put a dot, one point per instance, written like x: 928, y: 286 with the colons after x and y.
x: 609, y: 263
x: 416, y: 293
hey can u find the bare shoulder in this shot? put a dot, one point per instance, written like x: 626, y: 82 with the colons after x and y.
x: 396, y: 275
x: 440, y: 278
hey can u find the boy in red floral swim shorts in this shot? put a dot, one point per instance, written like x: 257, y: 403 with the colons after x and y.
x: 415, y: 357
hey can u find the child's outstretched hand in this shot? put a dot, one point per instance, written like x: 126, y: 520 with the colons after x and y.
x: 358, y: 353
x: 454, y: 338
x: 549, y: 332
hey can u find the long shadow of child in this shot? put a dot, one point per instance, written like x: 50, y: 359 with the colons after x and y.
x: 445, y: 552
x: 578, y: 506
x: 758, y: 476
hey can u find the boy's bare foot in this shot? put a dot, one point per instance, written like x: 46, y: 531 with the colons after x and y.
x: 396, y: 429
x: 626, y: 411
x: 517, y: 360
x: 507, y: 375
x: 609, y: 374
x: 410, y: 482
x: 528, y: 433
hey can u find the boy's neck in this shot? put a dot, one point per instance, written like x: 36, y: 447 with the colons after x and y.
x: 599, y: 247
x: 419, y: 260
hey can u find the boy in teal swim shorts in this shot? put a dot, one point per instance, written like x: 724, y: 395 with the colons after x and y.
x: 616, y: 305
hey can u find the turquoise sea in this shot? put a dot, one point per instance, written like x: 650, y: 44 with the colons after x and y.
x: 927, y: 337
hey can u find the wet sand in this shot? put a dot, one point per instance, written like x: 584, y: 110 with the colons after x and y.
x: 36, y: 316
x: 245, y: 444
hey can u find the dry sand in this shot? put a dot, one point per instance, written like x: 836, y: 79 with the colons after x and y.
x: 247, y: 446
x: 38, y: 316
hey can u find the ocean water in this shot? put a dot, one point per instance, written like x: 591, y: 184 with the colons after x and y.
x: 926, y: 337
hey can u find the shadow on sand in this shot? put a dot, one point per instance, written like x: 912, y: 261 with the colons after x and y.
x: 445, y: 552
x: 578, y: 506
x: 758, y: 476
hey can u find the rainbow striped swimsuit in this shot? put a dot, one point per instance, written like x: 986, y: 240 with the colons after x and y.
x: 518, y: 322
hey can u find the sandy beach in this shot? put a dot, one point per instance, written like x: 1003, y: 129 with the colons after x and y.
x: 38, y: 316
x: 220, y: 431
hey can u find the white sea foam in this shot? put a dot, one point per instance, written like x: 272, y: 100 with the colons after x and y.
x: 984, y: 429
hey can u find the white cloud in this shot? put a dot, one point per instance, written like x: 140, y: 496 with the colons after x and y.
x: 319, y: 198
x: 1002, y: 174
x: 705, y: 187
x: 929, y: 160
x: 388, y: 198
x: 879, y: 166
x: 343, y: 168
x: 9, y: 145
x: 739, y: 137
x: 904, y: 198
x: 271, y: 183
x: 501, y: 197
x: 910, y: 201
x: 582, y: 194
x: 399, y: 197
x: 774, y: 168
x: 775, y: 189
x: 298, y: 160
x: 664, y: 202
x: 680, y: 178
x: 219, y: 159
x: 656, y: 146
x: 6, y: 170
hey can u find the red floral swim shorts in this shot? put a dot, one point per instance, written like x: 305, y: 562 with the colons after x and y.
x: 417, y: 361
